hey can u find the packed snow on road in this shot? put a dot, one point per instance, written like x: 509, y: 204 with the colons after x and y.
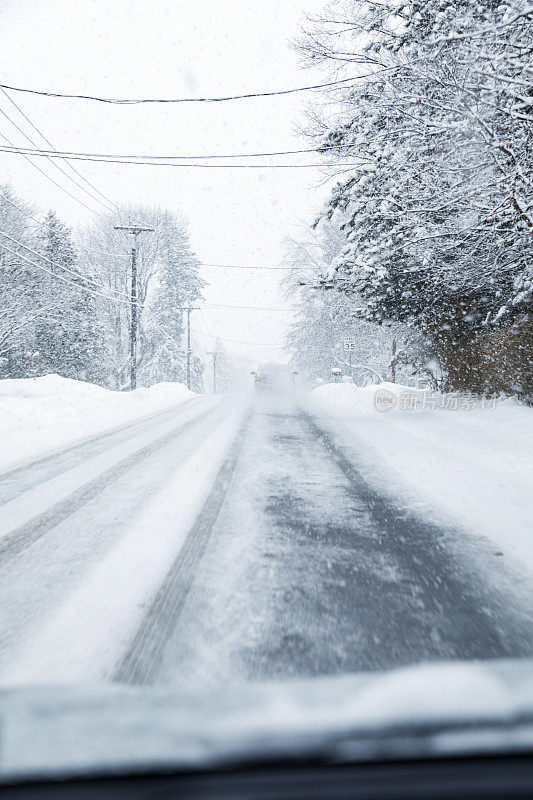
x: 187, y: 540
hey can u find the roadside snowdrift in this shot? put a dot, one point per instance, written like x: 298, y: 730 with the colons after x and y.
x: 40, y: 415
x: 469, y: 464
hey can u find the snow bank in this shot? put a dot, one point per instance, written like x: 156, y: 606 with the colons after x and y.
x: 345, y: 398
x: 468, y: 464
x: 40, y: 415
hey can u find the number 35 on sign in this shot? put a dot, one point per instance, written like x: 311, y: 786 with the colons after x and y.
x: 349, y: 343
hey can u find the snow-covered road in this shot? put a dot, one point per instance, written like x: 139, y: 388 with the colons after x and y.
x: 227, y: 540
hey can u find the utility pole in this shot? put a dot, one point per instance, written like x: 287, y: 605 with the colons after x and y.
x: 393, y: 362
x: 214, y: 354
x: 135, y: 230
x: 189, y: 309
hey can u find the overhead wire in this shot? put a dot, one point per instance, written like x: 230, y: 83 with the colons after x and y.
x: 60, y: 266
x: 225, y: 339
x: 108, y: 205
x: 243, y: 266
x: 109, y: 288
x: 204, y: 322
x: 35, y: 153
x: 22, y: 210
x: 106, y: 252
x: 175, y: 164
x: 200, y: 264
x: 55, y: 153
x: 41, y: 152
x: 67, y: 280
x: 55, y: 264
x: 251, y: 308
x: 121, y: 255
x: 49, y: 177
x: 122, y: 300
x: 237, y: 341
x: 138, y: 101
x: 78, y: 275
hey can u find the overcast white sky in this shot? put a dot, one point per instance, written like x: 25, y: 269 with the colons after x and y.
x: 169, y: 48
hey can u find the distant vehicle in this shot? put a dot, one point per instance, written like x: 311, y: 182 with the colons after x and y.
x: 273, y: 378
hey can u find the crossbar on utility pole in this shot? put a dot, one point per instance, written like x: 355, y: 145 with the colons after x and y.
x: 135, y: 230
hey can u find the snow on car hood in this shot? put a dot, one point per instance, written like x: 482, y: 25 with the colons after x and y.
x: 424, y: 710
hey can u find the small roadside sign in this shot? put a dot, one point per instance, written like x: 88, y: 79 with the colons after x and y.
x: 349, y: 344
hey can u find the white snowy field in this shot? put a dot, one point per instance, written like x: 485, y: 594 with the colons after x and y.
x: 469, y: 465
x: 41, y: 415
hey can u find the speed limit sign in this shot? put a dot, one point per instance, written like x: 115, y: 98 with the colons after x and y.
x: 349, y: 344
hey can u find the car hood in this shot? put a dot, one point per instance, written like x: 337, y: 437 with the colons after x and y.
x: 419, y: 711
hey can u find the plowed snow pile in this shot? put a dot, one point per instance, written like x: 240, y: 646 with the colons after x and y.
x: 40, y: 415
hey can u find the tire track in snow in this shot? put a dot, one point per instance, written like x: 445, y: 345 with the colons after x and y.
x: 144, y: 655
x: 26, y: 534
x: 477, y: 610
x: 28, y: 466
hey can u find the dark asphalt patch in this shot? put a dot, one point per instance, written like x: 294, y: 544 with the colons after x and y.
x: 309, y: 571
x: 380, y: 587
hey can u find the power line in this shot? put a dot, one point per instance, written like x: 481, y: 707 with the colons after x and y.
x: 125, y: 255
x: 60, y: 277
x: 50, y: 159
x: 200, y: 264
x: 237, y: 341
x: 38, y: 154
x: 36, y: 166
x: 131, y: 101
x: 118, y: 299
x: 39, y: 255
x: 108, y: 203
x: 253, y: 308
x: 106, y: 252
x: 60, y: 266
x: 204, y: 323
x: 106, y: 288
x: 243, y: 266
x: 55, y: 153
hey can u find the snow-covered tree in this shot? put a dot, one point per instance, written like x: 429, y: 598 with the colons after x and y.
x: 67, y: 335
x: 19, y: 287
x: 167, y: 281
x: 437, y: 210
x: 178, y: 287
x: 323, y: 319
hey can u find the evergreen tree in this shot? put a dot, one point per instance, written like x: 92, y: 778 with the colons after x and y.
x: 21, y: 305
x: 67, y: 336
